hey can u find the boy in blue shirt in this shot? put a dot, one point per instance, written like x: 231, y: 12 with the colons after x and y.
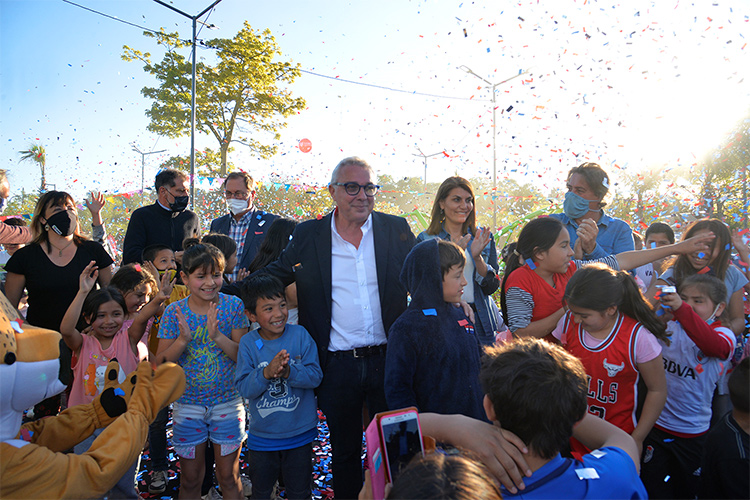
x: 277, y: 370
x: 538, y: 391
x: 433, y: 355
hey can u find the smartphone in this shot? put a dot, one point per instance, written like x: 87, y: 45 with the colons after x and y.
x: 667, y: 288
x: 402, y: 439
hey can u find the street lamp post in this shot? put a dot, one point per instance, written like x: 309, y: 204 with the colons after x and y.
x: 192, y: 93
x: 421, y: 154
x: 493, y: 86
x: 143, y: 166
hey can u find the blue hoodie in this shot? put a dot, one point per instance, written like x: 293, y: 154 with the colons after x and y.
x: 433, y: 356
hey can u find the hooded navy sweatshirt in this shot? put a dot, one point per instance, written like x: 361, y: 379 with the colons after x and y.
x: 433, y: 354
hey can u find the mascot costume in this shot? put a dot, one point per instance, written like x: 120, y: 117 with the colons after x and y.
x: 32, y: 462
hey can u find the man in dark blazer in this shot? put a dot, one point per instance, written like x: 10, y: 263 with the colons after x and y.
x: 244, y: 224
x: 346, y: 266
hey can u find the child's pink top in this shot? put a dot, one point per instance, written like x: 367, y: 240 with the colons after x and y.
x: 143, y: 343
x: 90, y: 362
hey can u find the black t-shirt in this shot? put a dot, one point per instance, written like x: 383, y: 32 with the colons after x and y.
x: 725, y: 461
x: 52, y: 288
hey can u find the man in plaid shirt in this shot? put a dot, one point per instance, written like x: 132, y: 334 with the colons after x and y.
x: 246, y: 225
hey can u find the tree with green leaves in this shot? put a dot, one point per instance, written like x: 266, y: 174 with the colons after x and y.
x: 242, y: 98
x: 37, y: 154
x: 723, y: 175
x: 206, y: 163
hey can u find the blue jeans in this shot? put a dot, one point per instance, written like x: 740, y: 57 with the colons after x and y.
x: 125, y: 486
x: 348, y: 384
x: 295, y: 465
x: 157, y: 437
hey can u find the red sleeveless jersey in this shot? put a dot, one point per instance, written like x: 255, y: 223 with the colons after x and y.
x: 611, y: 370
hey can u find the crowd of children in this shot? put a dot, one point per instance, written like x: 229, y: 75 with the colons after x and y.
x: 649, y: 372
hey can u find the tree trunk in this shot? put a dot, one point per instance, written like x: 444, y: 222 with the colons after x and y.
x: 224, y: 150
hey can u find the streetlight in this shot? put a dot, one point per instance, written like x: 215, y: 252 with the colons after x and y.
x: 493, y: 86
x: 143, y: 165
x: 425, y: 163
x: 192, y: 93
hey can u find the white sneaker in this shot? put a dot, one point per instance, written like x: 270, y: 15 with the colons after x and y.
x: 212, y: 494
x: 159, y: 480
x: 247, y: 485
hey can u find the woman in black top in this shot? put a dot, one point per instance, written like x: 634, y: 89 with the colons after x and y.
x: 49, y: 267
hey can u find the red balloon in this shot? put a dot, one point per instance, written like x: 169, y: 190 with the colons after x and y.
x: 305, y: 145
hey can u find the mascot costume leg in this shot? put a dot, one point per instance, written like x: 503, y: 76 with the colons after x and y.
x: 32, y: 462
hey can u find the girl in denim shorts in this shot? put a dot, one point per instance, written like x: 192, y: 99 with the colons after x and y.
x: 201, y: 333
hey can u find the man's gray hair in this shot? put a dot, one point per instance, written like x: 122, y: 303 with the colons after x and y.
x: 352, y: 160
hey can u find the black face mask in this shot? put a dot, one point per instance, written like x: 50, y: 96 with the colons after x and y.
x: 63, y: 223
x: 180, y: 203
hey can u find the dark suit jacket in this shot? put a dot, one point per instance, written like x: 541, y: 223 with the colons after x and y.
x: 307, y: 261
x: 255, y: 235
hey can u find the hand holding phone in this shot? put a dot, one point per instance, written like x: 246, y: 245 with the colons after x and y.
x: 393, y: 438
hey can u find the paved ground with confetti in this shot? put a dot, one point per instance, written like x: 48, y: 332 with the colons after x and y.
x: 321, y: 466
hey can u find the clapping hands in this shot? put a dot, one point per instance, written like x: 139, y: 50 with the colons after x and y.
x: 278, y: 367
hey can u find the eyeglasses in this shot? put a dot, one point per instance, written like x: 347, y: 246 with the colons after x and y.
x: 238, y: 195
x: 352, y: 188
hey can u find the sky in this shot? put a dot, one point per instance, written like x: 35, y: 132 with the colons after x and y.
x: 636, y: 85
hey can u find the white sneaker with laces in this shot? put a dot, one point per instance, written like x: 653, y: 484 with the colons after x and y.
x: 159, y: 480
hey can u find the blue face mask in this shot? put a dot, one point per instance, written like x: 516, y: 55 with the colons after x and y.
x: 575, y: 206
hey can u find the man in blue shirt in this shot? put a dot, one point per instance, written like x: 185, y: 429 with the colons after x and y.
x: 584, y: 217
x: 538, y: 391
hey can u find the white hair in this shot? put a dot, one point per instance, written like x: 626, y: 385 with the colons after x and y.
x: 352, y: 160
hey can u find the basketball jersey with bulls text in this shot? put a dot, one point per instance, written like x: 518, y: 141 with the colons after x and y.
x: 610, y: 369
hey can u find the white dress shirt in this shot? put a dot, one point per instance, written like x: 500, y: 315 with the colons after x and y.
x: 468, y: 295
x: 356, y: 319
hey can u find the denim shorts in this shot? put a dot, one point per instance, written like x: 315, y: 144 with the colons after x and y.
x: 222, y: 424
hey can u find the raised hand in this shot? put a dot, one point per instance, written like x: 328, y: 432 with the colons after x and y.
x: 212, y: 322
x: 587, y: 232
x: 739, y: 243
x: 182, y: 324
x: 481, y: 240
x: 151, y: 268
x: 699, y: 243
x: 88, y: 277
x: 671, y: 300
x: 165, y: 284
x: 242, y: 274
x: 463, y: 241
x: 278, y: 365
x: 95, y: 206
x: 578, y: 249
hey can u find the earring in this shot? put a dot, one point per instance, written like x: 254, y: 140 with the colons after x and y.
x: 46, y: 227
x: 442, y: 213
